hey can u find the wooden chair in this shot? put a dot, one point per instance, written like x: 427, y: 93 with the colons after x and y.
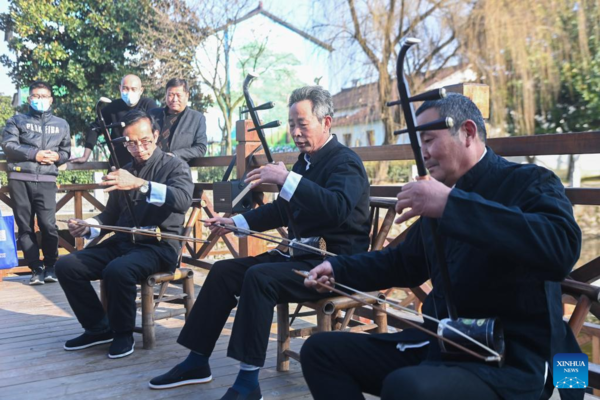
x: 337, y: 313
x: 153, y: 292
x: 587, y: 299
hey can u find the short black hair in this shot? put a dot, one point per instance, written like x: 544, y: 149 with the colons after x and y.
x: 134, y: 116
x: 176, y: 82
x: 40, y: 85
x: 460, y: 108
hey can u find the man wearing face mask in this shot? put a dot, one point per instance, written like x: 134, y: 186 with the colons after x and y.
x: 131, y: 99
x: 35, y: 145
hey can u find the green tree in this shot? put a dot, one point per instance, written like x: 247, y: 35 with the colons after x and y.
x: 6, y: 110
x: 81, y: 47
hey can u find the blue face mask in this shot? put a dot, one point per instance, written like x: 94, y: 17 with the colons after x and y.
x: 41, y: 105
x: 130, y: 98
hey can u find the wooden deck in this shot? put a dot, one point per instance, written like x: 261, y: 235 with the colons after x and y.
x: 35, y: 321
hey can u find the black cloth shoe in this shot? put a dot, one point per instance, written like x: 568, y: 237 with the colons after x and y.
x: 49, y: 275
x: 86, y: 340
x: 122, y: 346
x: 37, y: 276
x: 233, y: 394
x: 178, y: 377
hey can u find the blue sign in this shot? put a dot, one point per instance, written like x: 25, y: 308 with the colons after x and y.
x: 570, y: 370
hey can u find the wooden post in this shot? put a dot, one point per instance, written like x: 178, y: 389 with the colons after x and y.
x: 247, y: 142
x: 79, y: 215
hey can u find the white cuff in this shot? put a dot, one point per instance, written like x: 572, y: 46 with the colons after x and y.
x: 406, y: 346
x: 241, y: 223
x: 158, y: 194
x: 290, y: 185
x: 94, y: 232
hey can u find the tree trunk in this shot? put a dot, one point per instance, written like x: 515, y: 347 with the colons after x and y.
x: 387, y: 116
x: 573, y: 174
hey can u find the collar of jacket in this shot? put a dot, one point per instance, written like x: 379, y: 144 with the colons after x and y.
x: 39, y: 114
x: 322, y: 153
x: 137, y: 167
x: 468, y: 180
x: 166, y: 111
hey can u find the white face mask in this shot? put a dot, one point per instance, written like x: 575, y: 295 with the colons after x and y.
x: 130, y: 98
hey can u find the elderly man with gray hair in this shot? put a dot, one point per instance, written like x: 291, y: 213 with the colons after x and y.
x: 326, y: 195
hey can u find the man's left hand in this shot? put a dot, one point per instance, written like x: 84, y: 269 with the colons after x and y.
x: 121, y: 180
x: 270, y: 173
x: 423, y: 197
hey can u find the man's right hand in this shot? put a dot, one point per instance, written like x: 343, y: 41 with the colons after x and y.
x: 211, y: 223
x: 77, y: 230
x: 322, y: 273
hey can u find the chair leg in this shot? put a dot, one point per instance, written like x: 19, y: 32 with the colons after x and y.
x: 283, y: 337
x: 323, y: 321
x: 148, y: 316
x: 103, y: 298
x: 380, y: 319
x: 188, y: 289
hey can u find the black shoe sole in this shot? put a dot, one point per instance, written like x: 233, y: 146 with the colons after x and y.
x: 49, y: 279
x: 36, y: 282
x: 85, y: 346
x: 180, y: 383
x: 111, y: 356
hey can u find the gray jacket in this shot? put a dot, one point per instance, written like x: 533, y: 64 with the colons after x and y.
x: 25, y: 135
x: 189, y: 139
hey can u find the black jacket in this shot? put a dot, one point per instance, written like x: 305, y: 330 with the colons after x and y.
x: 113, y: 113
x: 331, y: 201
x: 189, y: 139
x: 169, y: 217
x: 26, y: 134
x: 510, y: 238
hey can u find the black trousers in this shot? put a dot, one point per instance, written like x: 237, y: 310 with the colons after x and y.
x: 121, y: 265
x: 342, y: 365
x: 261, y: 283
x: 30, y: 199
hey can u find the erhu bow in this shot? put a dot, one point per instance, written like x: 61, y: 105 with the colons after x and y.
x: 483, y: 330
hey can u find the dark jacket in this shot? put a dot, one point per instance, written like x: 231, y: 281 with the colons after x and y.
x: 25, y: 135
x: 510, y: 238
x: 113, y: 113
x: 169, y: 217
x: 331, y: 201
x: 189, y: 139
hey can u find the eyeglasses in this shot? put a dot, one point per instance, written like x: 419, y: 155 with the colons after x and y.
x: 40, y: 97
x: 132, y: 145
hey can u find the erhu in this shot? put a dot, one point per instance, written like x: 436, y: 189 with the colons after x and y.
x: 234, y: 196
x: 484, y: 330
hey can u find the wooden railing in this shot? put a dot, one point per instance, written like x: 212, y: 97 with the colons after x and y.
x: 560, y: 144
